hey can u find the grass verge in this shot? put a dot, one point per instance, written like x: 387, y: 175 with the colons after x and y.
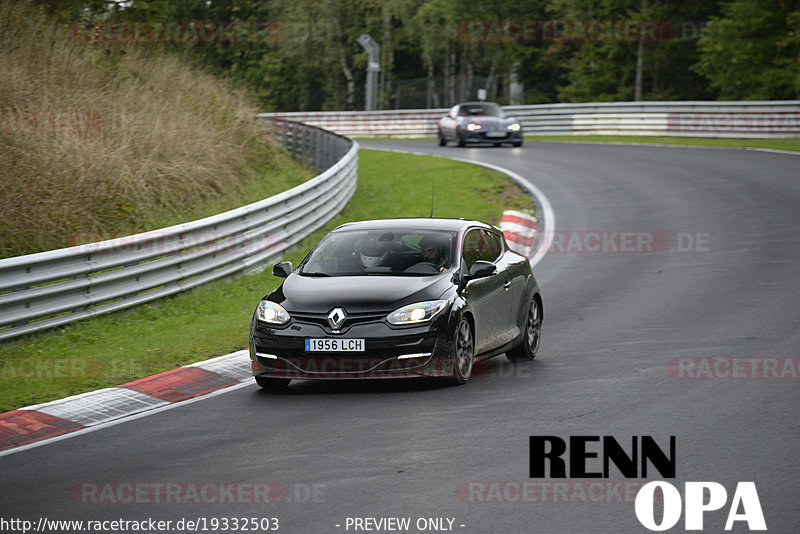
x: 103, y: 141
x: 213, y: 319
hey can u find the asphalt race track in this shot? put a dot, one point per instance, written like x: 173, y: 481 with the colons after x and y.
x: 713, y: 278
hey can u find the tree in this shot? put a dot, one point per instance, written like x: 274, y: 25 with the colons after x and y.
x: 435, y: 25
x: 752, y: 51
x: 438, y: 52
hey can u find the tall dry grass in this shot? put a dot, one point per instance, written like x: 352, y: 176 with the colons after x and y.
x: 97, y: 141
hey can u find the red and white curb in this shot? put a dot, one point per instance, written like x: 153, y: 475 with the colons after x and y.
x: 520, y: 231
x: 32, y: 424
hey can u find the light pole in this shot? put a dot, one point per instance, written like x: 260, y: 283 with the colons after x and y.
x: 373, y: 68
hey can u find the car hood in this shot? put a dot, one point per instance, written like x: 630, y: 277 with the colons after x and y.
x: 487, y: 122
x: 358, y: 294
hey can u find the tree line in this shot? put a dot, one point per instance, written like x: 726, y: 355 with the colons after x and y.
x: 304, y: 54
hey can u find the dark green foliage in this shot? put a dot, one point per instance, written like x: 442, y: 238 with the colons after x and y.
x: 437, y: 52
x: 752, y: 51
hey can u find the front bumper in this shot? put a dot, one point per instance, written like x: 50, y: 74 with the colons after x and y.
x: 485, y: 137
x: 419, y: 351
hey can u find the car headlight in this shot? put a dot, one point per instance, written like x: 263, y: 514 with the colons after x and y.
x: 472, y: 127
x: 419, y: 312
x: 272, y: 313
x: 514, y: 127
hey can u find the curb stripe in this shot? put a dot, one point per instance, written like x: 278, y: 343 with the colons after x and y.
x: 180, y: 384
x: 519, y: 218
x: 100, y: 406
x: 26, y: 426
x: 41, y: 423
x: 520, y: 231
x: 517, y: 229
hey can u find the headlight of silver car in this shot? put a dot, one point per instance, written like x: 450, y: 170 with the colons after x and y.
x: 419, y: 312
x: 514, y: 127
x: 272, y: 313
x: 472, y: 127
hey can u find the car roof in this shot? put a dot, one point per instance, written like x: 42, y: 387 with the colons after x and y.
x: 418, y: 223
x: 477, y: 103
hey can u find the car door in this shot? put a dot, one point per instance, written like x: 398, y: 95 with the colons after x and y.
x: 487, y: 296
x: 513, y: 286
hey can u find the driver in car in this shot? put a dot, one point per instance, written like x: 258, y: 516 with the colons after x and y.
x: 434, y: 250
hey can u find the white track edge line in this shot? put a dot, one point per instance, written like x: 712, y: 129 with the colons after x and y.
x: 123, y: 419
x: 668, y: 145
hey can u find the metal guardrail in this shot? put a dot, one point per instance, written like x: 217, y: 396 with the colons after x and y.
x: 48, y: 289
x: 689, y: 119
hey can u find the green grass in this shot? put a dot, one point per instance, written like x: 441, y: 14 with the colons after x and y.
x: 213, y: 319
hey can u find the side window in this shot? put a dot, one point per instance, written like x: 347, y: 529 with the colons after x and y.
x: 476, y: 248
x: 495, y: 245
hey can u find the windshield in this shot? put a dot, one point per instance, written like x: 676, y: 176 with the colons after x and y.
x: 485, y: 110
x: 381, y: 252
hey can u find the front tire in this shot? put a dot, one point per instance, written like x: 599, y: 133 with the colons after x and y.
x: 273, y: 385
x: 529, y: 345
x: 460, y: 140
x: 442, y: 140
x: 463, y: 352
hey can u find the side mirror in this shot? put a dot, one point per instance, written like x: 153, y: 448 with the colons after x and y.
x: 481, y: 269
x: 282, y: 269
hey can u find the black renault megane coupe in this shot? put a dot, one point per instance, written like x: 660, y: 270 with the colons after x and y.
x: 397, y: 298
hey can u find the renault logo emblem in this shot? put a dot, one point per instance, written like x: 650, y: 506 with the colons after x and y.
x: 336, y: 318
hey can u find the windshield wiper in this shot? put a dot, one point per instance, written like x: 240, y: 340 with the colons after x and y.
x: 305, y: 273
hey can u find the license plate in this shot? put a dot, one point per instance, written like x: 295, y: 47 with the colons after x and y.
x: 334, y: 345
x: 495, y: 134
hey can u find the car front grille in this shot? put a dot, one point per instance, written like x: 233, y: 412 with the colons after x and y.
x: 321, y: 319
x: 493, y: 138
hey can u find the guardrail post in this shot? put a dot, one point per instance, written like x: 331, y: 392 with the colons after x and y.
x: 295, y: 134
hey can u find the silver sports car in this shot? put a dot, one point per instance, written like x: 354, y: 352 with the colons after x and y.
x: 479, y: 122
